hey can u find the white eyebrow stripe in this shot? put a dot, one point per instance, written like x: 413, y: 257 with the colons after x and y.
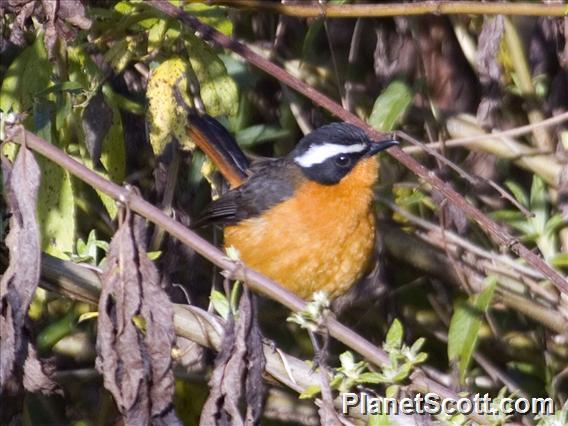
x: 317, y: 154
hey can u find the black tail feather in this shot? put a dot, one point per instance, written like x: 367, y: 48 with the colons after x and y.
x: 221, y: 142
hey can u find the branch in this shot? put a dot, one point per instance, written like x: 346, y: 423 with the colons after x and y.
x: 465, y: 127
x: 425, y: 257
x: 190, y: 322
x: 315, y: 9
x: 127, y: 196
x: 472, y: 140
x: 503, y: 237
x: 193, y: 323
x: 253, y: 279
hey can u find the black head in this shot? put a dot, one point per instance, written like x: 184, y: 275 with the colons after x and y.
x: 330, y: 152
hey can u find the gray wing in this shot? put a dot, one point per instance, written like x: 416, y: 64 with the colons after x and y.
x: 272, y: 182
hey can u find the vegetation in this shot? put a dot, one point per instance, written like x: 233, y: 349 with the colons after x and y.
x: 110, y: 306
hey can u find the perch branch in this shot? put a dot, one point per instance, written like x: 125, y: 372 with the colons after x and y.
x: 254, y: 280
x: 501, y: 235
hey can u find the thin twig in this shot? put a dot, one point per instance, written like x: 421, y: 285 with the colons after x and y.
x: 517, y: 131
x: 474, y: 180
x: 419, y: 253
x: 545, y: 166
x: 313, y: 10
x: 467, y: 245
x: 351, y: 60
x: 501, y: 235
x: 520, y: 63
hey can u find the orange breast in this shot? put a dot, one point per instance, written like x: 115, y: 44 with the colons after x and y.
x: 320, y: 239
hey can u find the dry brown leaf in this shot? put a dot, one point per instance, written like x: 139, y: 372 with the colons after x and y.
x: 18, y: 283
x: 37, y: 375
x: 135, y: 331
x: 60, y: 20
x: 239, y: 365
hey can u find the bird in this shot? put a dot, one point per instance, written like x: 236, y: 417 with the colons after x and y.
x: 306, y: 220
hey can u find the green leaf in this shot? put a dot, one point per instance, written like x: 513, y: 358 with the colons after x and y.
x: 215, y: 16
x: 526, y: 228
x: 420, y: 358
x: 120, y: 54
x: 124, y: 7
x: 390, y: 106
x: 394, y: 335
x: 379, y: 420
x: 465, y: 324
x: 220, y: 303
x: 416, y: 346
x: 82, y: 70
x: 403, y: 372
x: 560, y: 260
x: 508, y: 215
x: 370, y: 378
x: 518, y: 192
x: 392, y: 391
x: 87, y: 316
x: 313, y: 31
x: 538, y: 204
x: 29, y: 74
x: 310, y: 392
x: 56, y: 200
x: 56, y: 331
x: 56, y: 209
x: 154, y: 255
x: 336, y: 382
x: 113, y: 157
x: 218, y: 90
x: 260, y: 133
x: 555, y: 222
x: 156, y: 34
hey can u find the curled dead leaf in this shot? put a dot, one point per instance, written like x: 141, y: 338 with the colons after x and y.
x: 19, y: 281
x: 135, y: 362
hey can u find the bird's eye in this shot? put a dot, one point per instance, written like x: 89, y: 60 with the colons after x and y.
x: 343, y: 161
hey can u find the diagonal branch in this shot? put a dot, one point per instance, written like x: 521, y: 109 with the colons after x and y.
x: 316, y: 9
x: 193, y: 323
x: 499, y: 234
x: 255, y: 280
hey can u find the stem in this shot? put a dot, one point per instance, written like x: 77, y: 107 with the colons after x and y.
x: 316, y: 9
x: 500, y: 235
x: 521, y: 66
x: 472, y: 140
x: 546, y: 166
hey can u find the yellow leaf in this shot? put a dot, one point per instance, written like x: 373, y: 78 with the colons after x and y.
x: 165, y: 116
x: 87, y: 316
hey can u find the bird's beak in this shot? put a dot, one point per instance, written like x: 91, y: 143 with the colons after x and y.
x: 375, y: 147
